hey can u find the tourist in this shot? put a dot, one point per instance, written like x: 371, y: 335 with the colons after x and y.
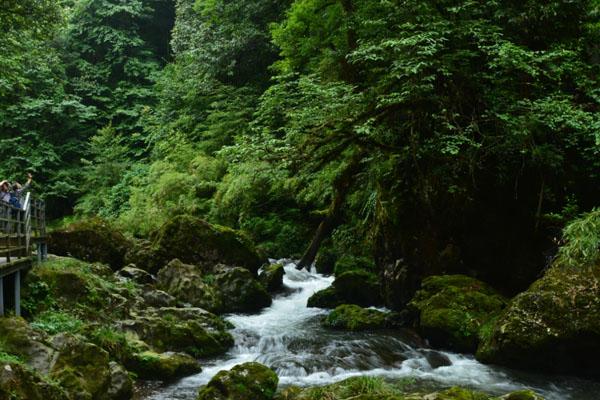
x: 18, y: 190
x: 5, y: 191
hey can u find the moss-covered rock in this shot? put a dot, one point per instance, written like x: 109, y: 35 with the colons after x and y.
x: 81, y: 368
x: 166, y: 366
x: 93, y: 240
x: 352, y: 287
x: 454, y: 393
x: 135, y: 274
x: 240, y: 290
x: 18, y: 382
x: 81, y: 288
x: 139, y: 358
x: 554, y: 325
x: 243, y: 382
x: 121, y: 384
x: 31, y: 346
x: 271, y: 277
x: 354, y: 318
x: 186, y: 283
x: 325, y: 261
x: 191, y: 330
x: 521, y: 395
x: 197, y: 242
x: 453, y: 309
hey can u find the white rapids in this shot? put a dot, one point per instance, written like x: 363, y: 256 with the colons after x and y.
x: 288, y: 338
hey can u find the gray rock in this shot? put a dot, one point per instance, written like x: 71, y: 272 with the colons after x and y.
x: 135, y: 274
x: 121, y: 385
x: 158, y: 298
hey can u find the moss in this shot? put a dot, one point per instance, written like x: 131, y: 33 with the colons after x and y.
x: 246, y: 381
x: 354, y: 318
x: 453, y: 310
x: 93, y: 240
x: 197, y: 242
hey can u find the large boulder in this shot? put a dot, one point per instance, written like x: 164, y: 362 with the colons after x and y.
x: 81, y: 288
x: 187, y: 284
x: 121, y: 384
x: 452, y: 310
x: 271, y: 277
x: 351, y: 287
x: 31, y: 346
x: 93, y: 240
x: 325, y: 261
x: 17, y: 382
x: 191, y: 330
x: 165, y: 367
x: 81, y: 369
x: 195, y: 241
x: 243, y: 382
x: 554, y: 325
x: 135, y: 274
x: 139, y: 357
x: 240, y: 291
x: 354, y: 318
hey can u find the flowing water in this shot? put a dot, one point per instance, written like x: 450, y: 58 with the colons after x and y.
x: 288, y: 338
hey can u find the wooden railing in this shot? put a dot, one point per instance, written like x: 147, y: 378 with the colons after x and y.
x: 22, y: 242
x: 22, y: 231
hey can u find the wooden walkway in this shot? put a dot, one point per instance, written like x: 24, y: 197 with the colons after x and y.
x: 22, y: 244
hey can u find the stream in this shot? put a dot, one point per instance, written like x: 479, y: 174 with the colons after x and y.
x: 287, y: 337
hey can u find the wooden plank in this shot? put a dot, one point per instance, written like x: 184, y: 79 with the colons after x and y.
x: 18, y: 265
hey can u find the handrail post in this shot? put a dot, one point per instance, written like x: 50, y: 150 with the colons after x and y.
x: 8, y: 232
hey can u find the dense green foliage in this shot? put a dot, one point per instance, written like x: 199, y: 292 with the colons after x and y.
x: 408, y: 126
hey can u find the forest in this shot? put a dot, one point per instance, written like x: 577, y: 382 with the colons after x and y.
x: 437, y: 158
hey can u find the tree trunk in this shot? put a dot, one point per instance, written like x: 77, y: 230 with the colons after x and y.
x: 341, y: 186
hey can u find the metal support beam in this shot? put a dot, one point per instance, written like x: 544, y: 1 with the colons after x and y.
x: 2, y: 296
x: 18, y: 293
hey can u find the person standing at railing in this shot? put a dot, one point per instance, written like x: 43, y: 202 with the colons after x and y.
x: 18, y: 190
x: 5, y: 191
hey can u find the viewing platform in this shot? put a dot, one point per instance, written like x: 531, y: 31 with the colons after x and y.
x: 22, y: 245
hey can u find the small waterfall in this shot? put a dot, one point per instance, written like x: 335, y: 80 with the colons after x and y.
x: 287, y: 337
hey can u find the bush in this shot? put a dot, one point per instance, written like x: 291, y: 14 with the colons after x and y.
x: 582, y: 241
